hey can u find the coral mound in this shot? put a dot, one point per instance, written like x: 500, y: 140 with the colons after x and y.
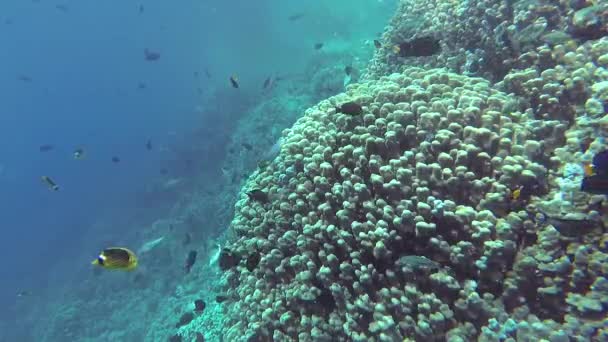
x: 397, y: 223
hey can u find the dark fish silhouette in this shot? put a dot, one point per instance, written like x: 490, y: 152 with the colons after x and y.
x: 141, y: 85
x: 234, y: 81
x: 348, y: 70
x: 377, y: 44
x: 50, y: 183
x: 46, y: 148
x: 252, y: 261
x: 141, y: 9
x: 350, y: 108
x: 419, y: 47
x: 151, y: 56
x: 199, y: 305
x: 296, y: 16
x: 318, y: 46
x: 220, y: 298
x: 62, y: 8
x: 596, y: 175
x: 247, y: 146
x: 24, y: 78
x: 164, y: 171
x: 190, y: 260
x: 267, y: 82
x: 115, y: 160
x: 258, y: 196
x: 149, y: 145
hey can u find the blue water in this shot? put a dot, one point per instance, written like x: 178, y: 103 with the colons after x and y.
x: 84, y: 65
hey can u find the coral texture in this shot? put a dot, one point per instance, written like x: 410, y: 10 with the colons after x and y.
x: 396, y: 223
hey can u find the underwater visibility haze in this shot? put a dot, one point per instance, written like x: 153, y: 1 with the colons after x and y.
x: 363, y: 170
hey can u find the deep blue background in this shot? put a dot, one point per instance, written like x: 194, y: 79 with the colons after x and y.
x: 86, y: 63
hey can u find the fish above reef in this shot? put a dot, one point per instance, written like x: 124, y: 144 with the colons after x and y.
x: 199, y: 305
x: 50, y: 183
x: 596, y: 175
x: 247, y: 146
x: 227, y: 259
x: 78, y: 154
x: 296, y: 16
x: 417, y: 262
x: 46, y: 148
x: 318, y: 46
x: 24, y: 293
x: 348, y: 70
x: 190, y: 261
x: 419, y: 47
x: 151, y: 56
x: 258, y: 195
x: 234, y: 81
x: 221, y: 298
x: 570, y: 225
x: 267, y: 82
x: 350, y: 108
x: 24, y: 78
x: 116, y: 258
x: 252, y: 261
x: 377, y: 44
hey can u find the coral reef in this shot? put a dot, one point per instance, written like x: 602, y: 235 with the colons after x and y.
x: 408, y: 220
x: 397, y: 223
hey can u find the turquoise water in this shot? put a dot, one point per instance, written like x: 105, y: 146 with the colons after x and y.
x: 73, y: 75
x: 304, y: 171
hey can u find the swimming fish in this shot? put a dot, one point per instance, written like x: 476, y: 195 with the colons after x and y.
x: 151, y: 56
x: 516, y: 193
x: 596, y: 175
x: 295, y: 17
x: 377, y: 44
x: 199, y: 305
x: 221, y: 298
x: 595, y: 184
x: 141, y: 9
x: 234, y: 81
x: 267, y: 82
x: 419, y: 47
x: 115, y: 160
x: 228, y: 259
x: 252, y: 261
x: 46, y: 147
x: 258, y: 196
x: 149, y: 145
x: 318, y: 46
x: 24, y: 78
x: 350, y: 108
x: 78, y: 153
x: 190, y: 260
x: 24, y: 293
x: 50, y: 183
x: 348, y: 70
x: 599, y: 164
x: 247, y: 146
x: 116, y: 258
